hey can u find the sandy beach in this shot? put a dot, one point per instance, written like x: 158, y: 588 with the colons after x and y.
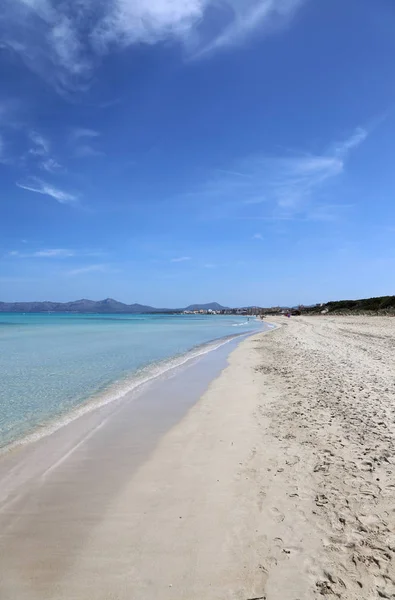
x: 278, y: 484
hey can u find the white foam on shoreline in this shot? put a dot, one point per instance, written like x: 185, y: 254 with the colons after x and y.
x: 119, y: 390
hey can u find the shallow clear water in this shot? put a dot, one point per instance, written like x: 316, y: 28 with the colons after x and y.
x: 51, y: 364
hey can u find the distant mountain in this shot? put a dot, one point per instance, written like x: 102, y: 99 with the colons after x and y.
x: 78, y: 306
x: 109, y: 306
x: 210, y: 306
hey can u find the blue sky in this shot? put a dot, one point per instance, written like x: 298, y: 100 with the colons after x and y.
x: 176, y: 151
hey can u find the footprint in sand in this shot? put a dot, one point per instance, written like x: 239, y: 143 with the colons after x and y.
x: 293, y: 493
x: 385, y: 586
x: 292, y: 460
x: 277, y: 515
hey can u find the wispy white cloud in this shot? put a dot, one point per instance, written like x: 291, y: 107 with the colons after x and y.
x: 47, y: 253
x: 41, y: 144
x: 47, y: 36
x: 86, y: 151
x: 40, y: 151
x: 180, y: 259
x: 81, y: 132
x: 297, y: 178
x: 80, y: 137
x: 257, y: 236
x: 36, y: 151
x: 280, y: 186
x: 88, y: 269
x: 41, y: 187
x: 356, y: 139
x: 51, y: 165
x: 327, y: 212
x: 63, y: 41
x: 248, y: 16
x: 55, y: 253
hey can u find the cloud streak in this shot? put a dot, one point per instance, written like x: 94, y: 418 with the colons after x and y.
x: 55, y: 253
x: 41, y: 144
x: 64, y: 41
x: 249, y: 16
x: 356, y: 139
x: 181, y: 259
x: 51, y: 166
x: 88, y: 269
x: 280, y: 187
x: 87, y: 151
x: 80, y: 137
x: 80, y: 132
x: 47, y: 253
x: 40, y: 153
x: 41, y: 187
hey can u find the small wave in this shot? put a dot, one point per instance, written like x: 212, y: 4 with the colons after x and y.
x: 120, y: 389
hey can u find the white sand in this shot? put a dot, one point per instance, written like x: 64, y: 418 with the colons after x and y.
x: 278, y: 484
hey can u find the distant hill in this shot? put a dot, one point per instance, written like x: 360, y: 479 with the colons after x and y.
x: 78, y: 306
x: 210, y: 306
x: 109, y: 306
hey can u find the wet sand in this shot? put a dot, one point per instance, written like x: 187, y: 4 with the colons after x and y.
x: 55, y: 493
x: 278, y: 483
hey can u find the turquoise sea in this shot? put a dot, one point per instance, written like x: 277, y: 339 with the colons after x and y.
x: 54, y: 365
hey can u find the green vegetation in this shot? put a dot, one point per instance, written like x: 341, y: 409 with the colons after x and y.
x: 382, y: 304
x: 367, y: 306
